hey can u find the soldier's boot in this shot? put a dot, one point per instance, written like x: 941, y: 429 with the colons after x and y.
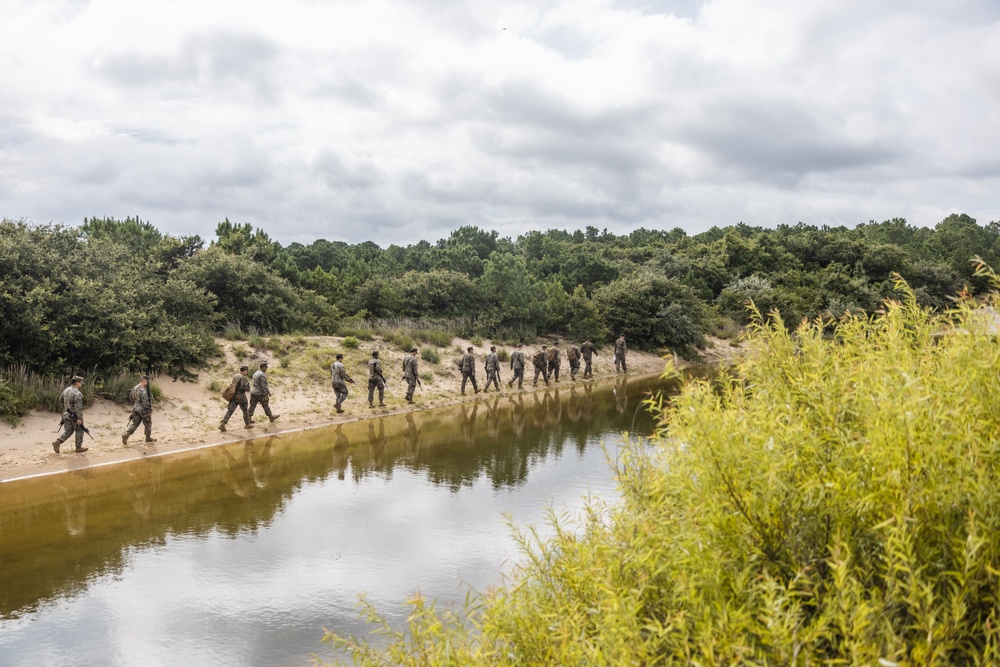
x: 222, y: 426
x: 124, y: 438
x: 55, y: 446
x: 340, y: 410
x: 509, y: 384
x: 248, y: 425
x: 410, y: 401
x: 477, y: 391
x: 381, y: 404
x: 371, y: 404
x: 80, y: 450
x: 273, y: 417
x: 149, y: 439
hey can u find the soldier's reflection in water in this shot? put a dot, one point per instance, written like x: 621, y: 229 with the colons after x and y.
x: 538, y: 410
x: 574, y: 409
x: 553, y: 409
x: 340, y: 446
x: 260, y: 463
x: 621, y: 395
x: 469, y: 424
x: 493, y: 418
x: 517, y: 415
x: 73, y: 487
x: 587, y: 404
x: 411, y: 438
x: 237, y: 474
x: 145, y: 475
x: 376, y: 443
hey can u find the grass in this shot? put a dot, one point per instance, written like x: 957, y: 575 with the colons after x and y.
x: 351, y: 343
x: 426, y: 376
x: 503, y: 355
x: 240, y: 351
x: 430, y: 355
x: 257, y: 342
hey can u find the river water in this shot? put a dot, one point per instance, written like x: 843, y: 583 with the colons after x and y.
x: 241, y: 554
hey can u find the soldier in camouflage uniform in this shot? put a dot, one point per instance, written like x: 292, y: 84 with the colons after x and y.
x: 539, y: 362
x: 142, y: 410
x: 340, y: 379
x: 242, y: 383
x: 468, y: 367
x: 375, y: 381
x: 517, y: 367
x: 554, y: 360
x: 261, y: 393
x: 621, y: 351
x: 573, y: 356
x: 72, y: 416
x: 410, y: 370
x: 492, y: 369
x: 588, y: 350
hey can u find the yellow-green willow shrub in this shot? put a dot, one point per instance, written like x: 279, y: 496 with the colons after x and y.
x: 834, y: 499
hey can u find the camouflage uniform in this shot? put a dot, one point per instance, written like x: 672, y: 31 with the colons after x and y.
x: 375, y: 381
x: 554, y: 362
x: 517, y: 367
x: 573, y: 356
x: 539, y: 362
x: 340, y: 379
x: 621, y: 350
x: 260, y: 393
x: 410, y: 369
x: 142, y: 412
x: 492, y: 370
x: 468, y: 367
x: 588, y: 350
x: 239, y: 399
x: 72, y: 402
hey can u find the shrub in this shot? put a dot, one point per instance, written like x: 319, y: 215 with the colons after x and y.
x: 233, y: 331
x: 257, y: 342
x: 427, y: 376
x: 430, y: 355
x: 833, y: 502
x: 215, y: 385
x: 477, y: 341
x: 351, y: 343
x: 240, y: 351
x: 503, y: 355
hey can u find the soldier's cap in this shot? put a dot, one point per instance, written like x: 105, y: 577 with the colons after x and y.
x: 374, y: 353
x: 244, y: 368
x: 493, y: 347
x: 544, y: 346
x: 263, y: 364
x: 144, y: 377
x: 76, y: 378
x: 340, y: 356
x: 413, y: 350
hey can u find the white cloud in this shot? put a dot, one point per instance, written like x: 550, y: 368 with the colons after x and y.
x: 390, y: 120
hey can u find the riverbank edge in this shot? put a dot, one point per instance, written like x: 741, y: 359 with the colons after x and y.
x: 150, y: 452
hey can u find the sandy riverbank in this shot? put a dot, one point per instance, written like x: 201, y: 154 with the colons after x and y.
x: 189, y: 412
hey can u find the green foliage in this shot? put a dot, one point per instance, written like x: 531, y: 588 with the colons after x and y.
x: 215, y: 385
x: 240, y: 351
x: 832, y: 501
x: 12, y: 409
x: 351, y: 343
x: 400, y: 339
x: 430, y: 355
x: 257, y: 342
x: 503, y: 355
x: 477, y: 341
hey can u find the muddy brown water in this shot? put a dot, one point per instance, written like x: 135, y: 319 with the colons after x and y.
x: 241, y: 554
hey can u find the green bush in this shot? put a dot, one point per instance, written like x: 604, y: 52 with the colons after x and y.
x: 257, y: 342
x: 12, y: 409
x: 834, y: 501
x: 477, y: 341
x: 430, y: 355
x: 240, y: 351
x: 351, y: 343
x: 503, y: 355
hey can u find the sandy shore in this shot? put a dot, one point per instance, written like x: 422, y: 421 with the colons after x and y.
x: 189, y: 412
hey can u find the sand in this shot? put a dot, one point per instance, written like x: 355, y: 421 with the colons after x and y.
x: 189, y: 412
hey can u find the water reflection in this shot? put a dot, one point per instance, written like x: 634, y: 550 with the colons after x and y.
x: 60, y: 536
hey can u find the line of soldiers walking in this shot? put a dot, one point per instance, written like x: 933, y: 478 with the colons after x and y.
x: 547, y: 363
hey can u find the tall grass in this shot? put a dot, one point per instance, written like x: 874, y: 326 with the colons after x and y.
x: 22, y: 390
x: 835, y: 500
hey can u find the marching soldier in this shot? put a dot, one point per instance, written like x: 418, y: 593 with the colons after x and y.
x: 375, y: 381
x: 588, y: 350
x: 492, y: 369
x: 410, y: 366
x: 72, y: 416
x: 261, y: 393
x: 554, y: 360
x: 539, y: 362
x: 517, y: 367
x: 242, y: 384
x: 621, y: 349
x: 468, y: 367
x: 142, y: 410
x: 340, y: 379
x: 573, y: 356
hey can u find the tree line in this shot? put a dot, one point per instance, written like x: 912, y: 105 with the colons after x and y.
x: 120, y: 294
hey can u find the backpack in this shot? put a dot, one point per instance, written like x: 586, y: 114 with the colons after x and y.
x: 229, y: 392
x: 539, y: 358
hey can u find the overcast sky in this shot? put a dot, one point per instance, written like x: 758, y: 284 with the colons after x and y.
x: 395, y: 121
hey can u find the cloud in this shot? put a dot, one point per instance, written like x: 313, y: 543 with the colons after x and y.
x: 403, y: 120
